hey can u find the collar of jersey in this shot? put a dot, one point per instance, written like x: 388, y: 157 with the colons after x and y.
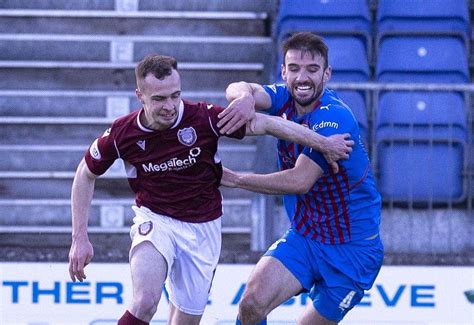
x: 178, y: 119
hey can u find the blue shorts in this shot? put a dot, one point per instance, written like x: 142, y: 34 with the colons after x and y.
x: 335, y: 275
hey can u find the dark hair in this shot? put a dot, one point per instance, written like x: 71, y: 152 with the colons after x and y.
x: 159, y: 65
x: 306, y: 42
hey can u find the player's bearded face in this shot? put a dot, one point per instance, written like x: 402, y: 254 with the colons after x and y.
x: 161, y: 99
x: 305, y: 76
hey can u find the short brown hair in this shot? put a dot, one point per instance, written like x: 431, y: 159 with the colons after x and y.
x: 159, y: 65
x: 306, y: 42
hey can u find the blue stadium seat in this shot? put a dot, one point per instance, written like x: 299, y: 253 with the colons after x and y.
x: 420, y: 140
x: 347, y: 17
x: 356, y: 101
x: 422, y: 17
x: 422, y: 59
x: 348, y: 58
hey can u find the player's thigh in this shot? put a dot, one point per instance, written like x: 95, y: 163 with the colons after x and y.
x: 271, y: 283
x: 190, y: 279
x: 177, y: 317
x: 310, y: 316
x: 148, y: 268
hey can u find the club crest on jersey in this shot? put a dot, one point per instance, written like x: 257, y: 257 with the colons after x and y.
x: 187, y: 136
x: 145, y: 228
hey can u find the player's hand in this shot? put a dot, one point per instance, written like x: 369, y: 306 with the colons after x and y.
x: 339, y: 147
x: 237, y: 113
x: 80, y: 255
x: 229, y: 178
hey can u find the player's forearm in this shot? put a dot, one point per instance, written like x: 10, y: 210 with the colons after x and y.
x: 282, y: 182
x: 291, y: 131
x: 81, y: 198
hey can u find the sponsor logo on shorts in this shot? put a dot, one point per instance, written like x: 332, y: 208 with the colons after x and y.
x: 275, y: 244
x: 145, y: 228
x: 94, y: 150
x: 325, y: 124
x: 187, y: 136
x: 346, y: 302
x: 174, y: 163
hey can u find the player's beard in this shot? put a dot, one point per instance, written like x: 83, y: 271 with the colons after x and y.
x: 316, y: 94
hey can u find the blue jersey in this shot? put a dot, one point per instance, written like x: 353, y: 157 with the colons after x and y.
x: 340, y: 207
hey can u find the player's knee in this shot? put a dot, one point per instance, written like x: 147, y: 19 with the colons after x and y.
x: 252, y: 306
x: 146, y: 303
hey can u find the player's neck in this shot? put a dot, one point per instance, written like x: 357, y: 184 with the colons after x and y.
x: 302, y: 110
x: 149, y: 123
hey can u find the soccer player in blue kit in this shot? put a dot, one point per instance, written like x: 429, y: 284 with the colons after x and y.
x: 333, y: 248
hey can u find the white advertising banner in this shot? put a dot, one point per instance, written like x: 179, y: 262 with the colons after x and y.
x: 41, y: 293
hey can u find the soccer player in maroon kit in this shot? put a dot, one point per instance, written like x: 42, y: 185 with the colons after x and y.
x: 169, y: 148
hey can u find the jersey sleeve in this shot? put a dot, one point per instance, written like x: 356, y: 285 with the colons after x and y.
x: 102, y: 153
x: 214, y: 111
x: 327, y: 122
x: 279, y: 95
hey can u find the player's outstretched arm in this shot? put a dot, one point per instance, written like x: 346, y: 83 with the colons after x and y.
x: 333, y: 148
x: 81, y: 251
x: 297, y: 180
x: 244, y: 98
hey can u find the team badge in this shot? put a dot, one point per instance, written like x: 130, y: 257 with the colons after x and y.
x: 145, y: 228
x: 187, y: 136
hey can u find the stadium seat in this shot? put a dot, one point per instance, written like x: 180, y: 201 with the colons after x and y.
x: 422, y: 59
x: 348, y: 58
x: 325, y: 17
x: 422, y: 17
x: 356, y: 101
x: 420, y: 140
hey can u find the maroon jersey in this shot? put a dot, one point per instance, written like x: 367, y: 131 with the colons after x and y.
x: 174, y: 172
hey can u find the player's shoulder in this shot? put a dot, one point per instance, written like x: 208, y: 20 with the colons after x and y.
x: 200, y: 113
x: 276, y: 89
x: 202, y: 106
x: 333, y: 105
